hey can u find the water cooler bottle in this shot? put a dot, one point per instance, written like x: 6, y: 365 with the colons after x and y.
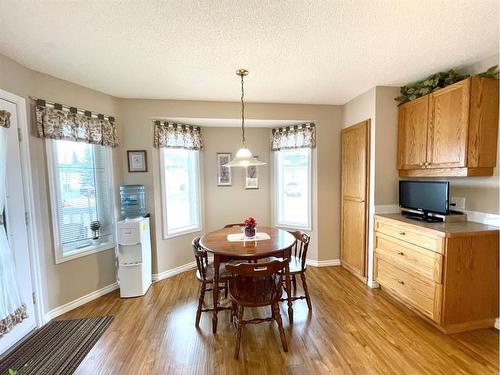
x: 134, y: 256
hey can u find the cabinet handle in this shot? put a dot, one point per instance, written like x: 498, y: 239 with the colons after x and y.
x: 401, y: 253
x: 421, y: 164
x: 401, y: 282
x: 402, y: 233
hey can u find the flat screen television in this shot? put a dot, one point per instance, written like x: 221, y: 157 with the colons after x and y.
x: 425, y: 196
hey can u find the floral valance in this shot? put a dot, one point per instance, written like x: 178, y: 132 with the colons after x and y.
x: 296, y: 136
x: 9, y: 321
x: 75, y: 125
x: 4, y: 119
x: 172, y: 135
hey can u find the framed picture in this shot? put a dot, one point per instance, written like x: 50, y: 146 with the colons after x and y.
x: 251, y: 177
x: 224, y: 177
x: 137, y: 161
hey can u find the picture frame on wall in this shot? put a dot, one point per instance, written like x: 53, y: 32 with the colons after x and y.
x: 137, y: 161
x: 224, y: 176
x: 251, y: 177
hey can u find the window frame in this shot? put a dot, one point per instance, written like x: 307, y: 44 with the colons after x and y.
x: 186, y: 230
x: 60, y: 255
x: 277, y: 216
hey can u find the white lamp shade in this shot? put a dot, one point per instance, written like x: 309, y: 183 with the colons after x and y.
x: 244, y: 158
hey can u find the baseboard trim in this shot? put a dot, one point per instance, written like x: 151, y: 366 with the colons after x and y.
x: 373, y: 284
x: 323, y: 263
x: 497, y: 323
x: 174, y: 271
x: 54, y: 313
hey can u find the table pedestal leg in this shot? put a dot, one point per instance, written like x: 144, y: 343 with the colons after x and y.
x: 215, y: 292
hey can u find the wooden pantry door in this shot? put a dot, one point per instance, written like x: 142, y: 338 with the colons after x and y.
x: 355, y: 195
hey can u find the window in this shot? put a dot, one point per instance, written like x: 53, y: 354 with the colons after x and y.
x: 181, y: 191
x: 293, y: 188
x: 80, y: 181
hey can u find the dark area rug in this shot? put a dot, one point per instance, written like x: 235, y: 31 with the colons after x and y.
x: 56, y: 348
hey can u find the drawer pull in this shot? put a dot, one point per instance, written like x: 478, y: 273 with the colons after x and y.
x: 402, y: 233
x: 401, y: 253
x: 401, y: 282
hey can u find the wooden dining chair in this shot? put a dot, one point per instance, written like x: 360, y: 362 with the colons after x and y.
x: 234, y: 225
x: 298, y: 266
x: 256, y: 285
x: 205, y: 275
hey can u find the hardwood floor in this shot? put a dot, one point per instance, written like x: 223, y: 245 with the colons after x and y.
x: 352, y: 330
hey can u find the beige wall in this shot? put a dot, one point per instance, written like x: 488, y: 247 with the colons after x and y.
x: 67, y: 281
x: 386, y: 145
x: 227, y: 204
x: 359, y: 109
x: 137, y: 118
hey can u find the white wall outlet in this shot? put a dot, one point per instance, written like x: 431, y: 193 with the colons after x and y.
x: 459, y: 203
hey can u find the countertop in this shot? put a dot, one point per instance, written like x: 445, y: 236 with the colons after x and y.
x: 444, y: 229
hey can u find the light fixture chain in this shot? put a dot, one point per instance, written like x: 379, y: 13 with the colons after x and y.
x: 242, y: 110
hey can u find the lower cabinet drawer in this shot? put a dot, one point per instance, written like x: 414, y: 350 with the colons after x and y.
x: 408, y: 234
x: 418, y: 291
x: 407, y: 256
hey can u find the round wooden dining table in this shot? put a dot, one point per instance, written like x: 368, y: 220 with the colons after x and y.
x: 278, y: 245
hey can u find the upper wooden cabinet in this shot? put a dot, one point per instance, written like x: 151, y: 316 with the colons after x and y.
x: 413, y: 118
x: 451, y: 132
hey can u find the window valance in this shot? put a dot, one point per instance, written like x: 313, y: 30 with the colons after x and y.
x: 56, y: 121
x: 4, y: 119
x: 172, y: 135
x: 292, y: 137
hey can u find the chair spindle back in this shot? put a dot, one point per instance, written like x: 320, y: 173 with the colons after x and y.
x: 263, y: 279
x: 301, y: 246
x: 201, y: 257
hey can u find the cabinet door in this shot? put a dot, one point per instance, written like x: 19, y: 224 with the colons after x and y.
x: 448, y: 125
x: 412, y: 133
x: 355, y: 187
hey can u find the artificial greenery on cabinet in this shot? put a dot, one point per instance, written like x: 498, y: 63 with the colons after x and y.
x: 437, y: 81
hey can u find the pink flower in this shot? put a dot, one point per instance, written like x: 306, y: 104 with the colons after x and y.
x: 250, y: 222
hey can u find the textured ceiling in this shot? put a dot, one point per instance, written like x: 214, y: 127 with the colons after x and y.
x: 323, y: 52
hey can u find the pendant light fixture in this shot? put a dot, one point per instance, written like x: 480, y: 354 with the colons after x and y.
x: 243, y: 157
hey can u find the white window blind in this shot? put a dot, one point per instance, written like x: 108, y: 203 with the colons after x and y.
x: 293, y: 188
x: 181, y: 191
x: 81, y: 194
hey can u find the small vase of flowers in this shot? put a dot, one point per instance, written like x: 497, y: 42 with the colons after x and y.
x: 250, y: 224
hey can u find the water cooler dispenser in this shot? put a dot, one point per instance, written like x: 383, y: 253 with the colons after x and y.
x: 134, y: 256
x: 134, y: 243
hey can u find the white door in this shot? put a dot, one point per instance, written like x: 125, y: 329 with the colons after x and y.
x: 17, y: 234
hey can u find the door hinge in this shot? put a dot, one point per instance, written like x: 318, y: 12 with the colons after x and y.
x: 19, y: 135
x: 27, y: 218
x: 34, y: 298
